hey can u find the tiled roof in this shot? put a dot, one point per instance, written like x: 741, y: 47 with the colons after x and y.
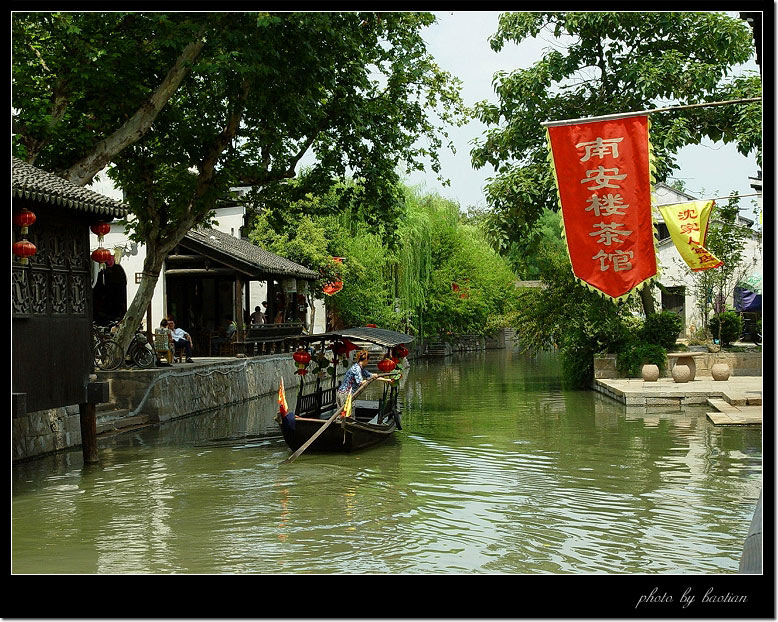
x: 30, y: 182
x: 247, y: 252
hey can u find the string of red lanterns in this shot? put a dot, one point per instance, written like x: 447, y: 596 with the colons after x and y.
x: 101, y: 255
x: 23, y: 248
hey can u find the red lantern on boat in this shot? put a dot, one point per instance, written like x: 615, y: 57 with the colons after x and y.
x: 370, y: 326
x: 338, y: 348
x: 386, y: 365
x: 302, y: 356
x: 23, y: 249
x: 24, y: 219
x: 401, y: 351
x: 100, y: 229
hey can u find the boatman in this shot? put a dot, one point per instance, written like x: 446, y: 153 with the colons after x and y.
x: 355, y: 377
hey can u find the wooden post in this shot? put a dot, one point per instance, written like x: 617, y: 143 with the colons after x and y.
x: 239, y: 303
x: 88, y: 417
x: 96, y: 393
x: 149, y: 329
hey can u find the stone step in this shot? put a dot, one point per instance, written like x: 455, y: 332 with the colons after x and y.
x: 105, y: 407
x: 117, y: 420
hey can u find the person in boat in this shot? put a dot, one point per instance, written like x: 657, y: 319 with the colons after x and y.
x: 354, y: 377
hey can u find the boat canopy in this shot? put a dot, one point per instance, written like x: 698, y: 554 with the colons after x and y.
x: 380, y: 336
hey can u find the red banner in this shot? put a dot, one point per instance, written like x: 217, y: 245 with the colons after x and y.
x: 603, y: 177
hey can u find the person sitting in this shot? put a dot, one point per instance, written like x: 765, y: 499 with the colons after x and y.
x: 258, y: 317
x: 229, y: 332
x: 163, y: 343
x: 181, y: 339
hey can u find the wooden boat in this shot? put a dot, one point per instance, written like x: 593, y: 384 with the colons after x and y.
x: 370, y: 421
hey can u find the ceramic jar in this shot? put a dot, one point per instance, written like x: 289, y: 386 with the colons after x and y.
x: 720, y: 371
x: 681, y: 372
x: 650, y: 372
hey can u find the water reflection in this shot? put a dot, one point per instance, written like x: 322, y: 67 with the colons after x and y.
x: 497, y: 469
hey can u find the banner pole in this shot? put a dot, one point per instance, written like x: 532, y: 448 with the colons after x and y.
x: 731, y: 196
x: 622, y: 115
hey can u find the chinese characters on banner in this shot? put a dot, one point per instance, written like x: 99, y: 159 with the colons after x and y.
x: 602, y: 174
x: 688, y: 226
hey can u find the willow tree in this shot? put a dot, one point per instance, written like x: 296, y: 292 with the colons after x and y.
x: 603, y: 63
x: 260, y: 91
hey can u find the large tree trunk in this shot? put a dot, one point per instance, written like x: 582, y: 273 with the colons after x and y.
x: 648, y: 300
x: 152, y: 266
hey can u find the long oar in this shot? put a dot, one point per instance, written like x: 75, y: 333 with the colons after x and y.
x: 318, y: 432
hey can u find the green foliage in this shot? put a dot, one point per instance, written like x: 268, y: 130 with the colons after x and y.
x: 431, y: 273
x: 634, y: 355
x: 568, y: 316
x: 727, y: 327
x: 256, y: 92
x: 662, y: 329
x: 603, y: 63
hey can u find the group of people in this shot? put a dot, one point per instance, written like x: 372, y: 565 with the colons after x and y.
x: 168, y: 337
x: 262, y: 315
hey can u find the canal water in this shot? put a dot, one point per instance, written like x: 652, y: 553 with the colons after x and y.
x: 497, y: 470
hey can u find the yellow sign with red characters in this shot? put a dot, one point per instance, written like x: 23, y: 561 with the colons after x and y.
x: 688, y: 227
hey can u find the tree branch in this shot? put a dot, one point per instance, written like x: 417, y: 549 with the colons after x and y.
x: 83, y: 171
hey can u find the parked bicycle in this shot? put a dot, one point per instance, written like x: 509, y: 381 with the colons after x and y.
x: 108, y: 354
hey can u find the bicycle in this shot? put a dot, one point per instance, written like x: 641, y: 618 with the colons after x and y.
x: 108, y: 355
x: 107, y: 352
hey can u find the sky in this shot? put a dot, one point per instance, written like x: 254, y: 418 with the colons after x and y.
x: 459, y: 43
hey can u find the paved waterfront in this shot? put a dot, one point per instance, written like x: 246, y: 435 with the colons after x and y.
x: 737, y: 401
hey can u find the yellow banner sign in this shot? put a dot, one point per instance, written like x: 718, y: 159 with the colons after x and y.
x: 688, y: 226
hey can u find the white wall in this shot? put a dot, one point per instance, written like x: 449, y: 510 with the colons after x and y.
x: 229, y: 220
x: 131, y: 262
x: 675, y: 272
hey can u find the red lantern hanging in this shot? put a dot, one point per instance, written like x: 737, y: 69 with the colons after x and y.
x: 386, y: 365
x: 401, y: 351
x: 302, y: 371
x: 24, y: 219
x: 24, y: 249
x: 100, y: 229
x: 302, y: 356
x: 101, y: 256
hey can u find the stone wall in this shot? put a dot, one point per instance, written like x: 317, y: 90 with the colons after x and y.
x: 45, y: 431
x: 185, y: 390
x: 160, y: 396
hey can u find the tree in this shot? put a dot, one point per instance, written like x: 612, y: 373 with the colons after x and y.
x: 77, y: 101
x: 609, y: 62
x: 356, y: 89
x: 726, y: 240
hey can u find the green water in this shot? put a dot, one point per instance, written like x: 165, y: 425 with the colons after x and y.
x: 497, y: 470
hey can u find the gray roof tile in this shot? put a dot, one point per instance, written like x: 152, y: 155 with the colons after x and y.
x: 250, y: 253
x: 30, y: 182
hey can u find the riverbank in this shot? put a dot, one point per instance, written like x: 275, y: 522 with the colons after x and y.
x: 736, y: 401
x: 143, y: 397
